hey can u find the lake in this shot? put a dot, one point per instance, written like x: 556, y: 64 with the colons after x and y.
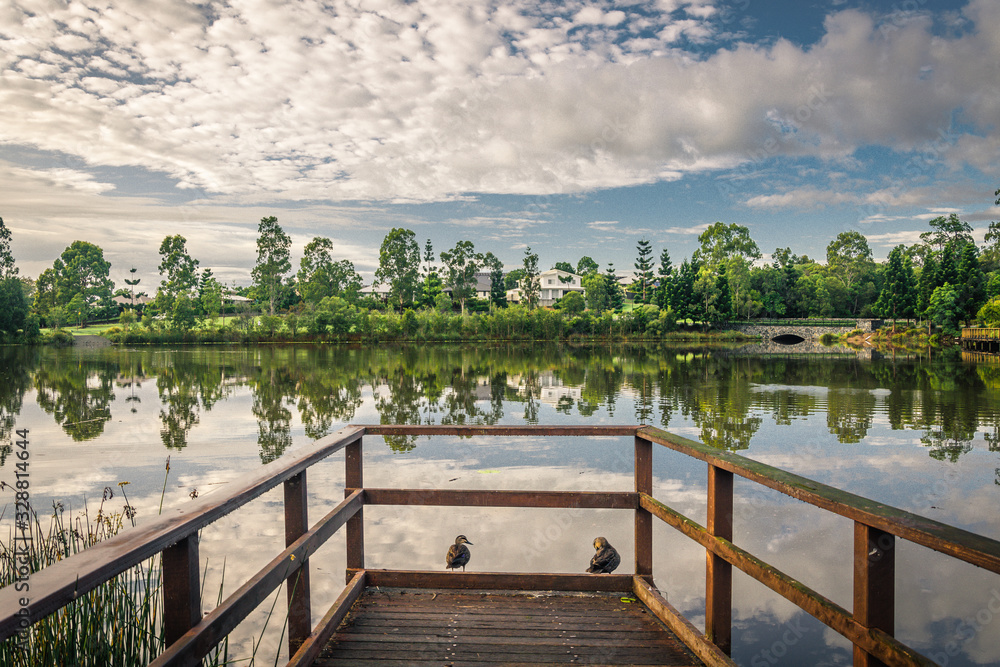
x: 919, y: 431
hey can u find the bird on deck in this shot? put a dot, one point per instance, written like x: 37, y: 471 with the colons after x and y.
x: 605, y: 560
x: 458, y: 554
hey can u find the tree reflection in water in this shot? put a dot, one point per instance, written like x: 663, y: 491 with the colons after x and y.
x: 727, y: 396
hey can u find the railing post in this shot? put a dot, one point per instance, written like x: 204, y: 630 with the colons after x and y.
x: 354, y: 479
x: 643, y: 518
x: 874, y: 585
x: 297, y: 584
x: 181, y: 588
x: 719, y: 573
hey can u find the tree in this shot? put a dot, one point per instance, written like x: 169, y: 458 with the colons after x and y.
x: 398, y: 265
x: 132, y: 282
x: 573, y: 303
x: 530, y: 286
x: 684, y: 301
x: 82, y: 271
x: 721, y: 242
x: 564, y: 266
x: 498, y: 293
x: 616, y: 299
x: 462, y: 263
x: 7, y: 267
x: 971, y: 283
x: 180, y: 271
x: 945, y: 230
x: 13, y: 307
x: 943, y: 310
x: 850, y: 259
x: 595, y: 290
x: 644, y: 271
x: 429, y: 258
x: 319, y: 276
x: 663, y: 287
x: 586, y: 265
x: 13, y: 302
x: 898, y: 296
x: 272, y: 261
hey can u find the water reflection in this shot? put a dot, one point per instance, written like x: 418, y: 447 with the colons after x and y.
x: 919, y: 432
x: 727, y: 394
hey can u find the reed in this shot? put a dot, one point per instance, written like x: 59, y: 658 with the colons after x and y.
x: 118, y: 624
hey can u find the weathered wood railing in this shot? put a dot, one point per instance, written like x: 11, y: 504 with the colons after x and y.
x: 190, y: 636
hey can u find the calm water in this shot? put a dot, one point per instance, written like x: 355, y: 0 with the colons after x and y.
x: 919, y: 432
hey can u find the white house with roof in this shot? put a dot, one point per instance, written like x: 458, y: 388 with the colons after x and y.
x: 553, y: 285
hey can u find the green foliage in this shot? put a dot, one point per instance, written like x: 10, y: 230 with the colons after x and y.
x: 272, y: 261
x: 947, y: 230
x: 462, y: 263
x: 320, y: 276
x: 644, y: 271
x: 182, y: 314
x: 943, y: 309
x: 398, y: 265
x: 179, y: 270
x: 7, y: 267
x: 573, y: 303
x: 530, y: 286
x: 898, y: 297
x: 989, y: 314
x: 13, y: 308
x: 586, y: 265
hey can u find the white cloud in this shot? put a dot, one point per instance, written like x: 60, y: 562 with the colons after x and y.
x: 426, y: 101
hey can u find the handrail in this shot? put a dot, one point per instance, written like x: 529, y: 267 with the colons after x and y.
x: 956, y: 542
x: 59, y: 584
x: 189, y: 636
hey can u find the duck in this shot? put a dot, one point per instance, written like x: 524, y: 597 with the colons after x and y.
x: 458, y: 554
x: 606, y: 559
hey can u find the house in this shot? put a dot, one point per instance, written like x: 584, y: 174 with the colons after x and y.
x: 482, y: 286
x: 553, y: 285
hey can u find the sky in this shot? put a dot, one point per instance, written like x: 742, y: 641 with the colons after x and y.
x: 572, y: 128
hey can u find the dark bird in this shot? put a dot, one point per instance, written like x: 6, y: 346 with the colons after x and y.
x: 458, y: 554
x: 605, y: 560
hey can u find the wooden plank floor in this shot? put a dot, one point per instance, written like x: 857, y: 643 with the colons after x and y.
x: 389, y: 627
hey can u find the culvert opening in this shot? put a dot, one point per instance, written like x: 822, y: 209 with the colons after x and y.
x: 788, y: 339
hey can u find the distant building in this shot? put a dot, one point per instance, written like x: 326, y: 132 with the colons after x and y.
x: 553, y: 285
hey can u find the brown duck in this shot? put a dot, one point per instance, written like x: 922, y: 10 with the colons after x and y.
x: 458, y: 554
x: 605, y: 560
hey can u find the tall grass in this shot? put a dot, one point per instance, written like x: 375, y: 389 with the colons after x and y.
x: 118, y: 624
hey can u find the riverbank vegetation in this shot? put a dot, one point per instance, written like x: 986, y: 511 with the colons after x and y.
x: 462, y: 293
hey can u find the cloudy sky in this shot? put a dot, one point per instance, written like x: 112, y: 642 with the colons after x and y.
x: 575, y: 128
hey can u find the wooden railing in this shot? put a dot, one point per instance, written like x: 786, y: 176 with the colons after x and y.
x: 869, y: 626
x: 981, y: 333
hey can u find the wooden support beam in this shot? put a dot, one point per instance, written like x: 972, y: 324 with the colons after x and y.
x: 719, y: 573
x: 643, y: 519
x: 874, y: 585
x: 707, y: 652
x: 497, y: 580
x: 181, y: 588
x: 314, y: 645
x: 624, y: 500
x: 355, y: 480
x: 297, y: 586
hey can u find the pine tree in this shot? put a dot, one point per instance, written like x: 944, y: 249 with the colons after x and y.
x: 615, y: 297
x: 644, y: 271
x: 898, y: 297
x: 665, y: 272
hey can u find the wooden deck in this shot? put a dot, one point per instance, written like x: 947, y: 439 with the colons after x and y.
x: 397, y: 626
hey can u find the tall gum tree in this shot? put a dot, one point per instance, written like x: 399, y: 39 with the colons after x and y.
x: 399, y: 265
x: 272, y: 261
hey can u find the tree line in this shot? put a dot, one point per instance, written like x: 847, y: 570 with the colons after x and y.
x: 945, y: 279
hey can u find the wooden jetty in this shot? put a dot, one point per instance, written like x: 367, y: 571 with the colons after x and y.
x: 981, y: 339
x: 415, y: 610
